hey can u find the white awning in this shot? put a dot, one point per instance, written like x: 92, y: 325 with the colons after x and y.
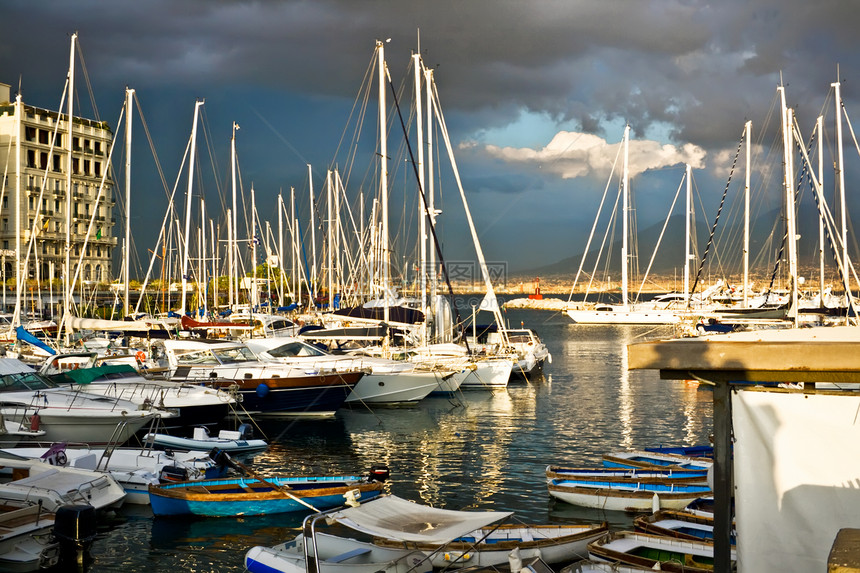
x: 396, y: 518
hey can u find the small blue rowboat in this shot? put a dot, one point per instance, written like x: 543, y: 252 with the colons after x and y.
x: 639, y: 475
x: 231, y: 497
x: 644, y: 459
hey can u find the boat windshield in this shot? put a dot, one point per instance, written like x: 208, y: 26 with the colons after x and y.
x: 234, y: 354
x: 292, y: 349
x: 24, y: 381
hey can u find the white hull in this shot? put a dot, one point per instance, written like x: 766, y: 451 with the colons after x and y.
x: 489, y: 375
x: 57, y: 486
x: 81, y: 426
x: 623, y: 498
x: 623, y: 317
x: 395, y: 388
x: 450, y: 383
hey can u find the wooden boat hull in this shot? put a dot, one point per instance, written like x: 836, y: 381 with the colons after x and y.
x: 629, y: 497
x: 641, y: 475
x: 646, y: 459
x: 552, y: 543
x: 232, y: 497
x: 317, y: 395
x: 678, y: 524
x: 643, y: 550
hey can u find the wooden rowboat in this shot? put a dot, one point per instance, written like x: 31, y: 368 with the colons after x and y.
x: 625, y: 496
x: 655, y: 552
x: 258, y: 496
x: 645, y: 459
x: 490, y: 546
x: 640, y: 475
x: 678, y: 524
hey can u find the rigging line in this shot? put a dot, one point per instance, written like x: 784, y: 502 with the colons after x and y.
x: 717, y: 219
x: 660, y: 238
x: 427, y: 212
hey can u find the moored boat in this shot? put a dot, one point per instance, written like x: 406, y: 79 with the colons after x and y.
x: 232, y: 441
x: 655, y: 552
x: 26, y: 537
x: 332, y: 553
x: 678, y: 524
x: 646, y: 459
x: 639, y: 475
x: 229, y: 497
x: 491, y: 546
x: 625, y: 496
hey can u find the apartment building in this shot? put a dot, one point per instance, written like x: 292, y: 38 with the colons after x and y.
x: 33, y: 167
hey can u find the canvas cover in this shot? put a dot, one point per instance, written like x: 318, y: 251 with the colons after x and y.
x: 797, y: 477
x: 396, y: 518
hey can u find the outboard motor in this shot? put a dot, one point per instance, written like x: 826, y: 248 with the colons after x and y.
x: 75, y: 531
x: 379, y: 473
x: 170, y: 474
x: 246, y: 432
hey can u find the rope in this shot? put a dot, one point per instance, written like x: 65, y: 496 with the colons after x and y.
x: 717, y: 219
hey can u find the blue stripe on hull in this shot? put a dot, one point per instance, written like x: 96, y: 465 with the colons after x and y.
x: 170, y: 506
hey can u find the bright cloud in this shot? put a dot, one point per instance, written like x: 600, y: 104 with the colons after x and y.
x: 572, y: 154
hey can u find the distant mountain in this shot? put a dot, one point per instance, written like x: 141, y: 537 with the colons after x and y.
x: 767, y: 232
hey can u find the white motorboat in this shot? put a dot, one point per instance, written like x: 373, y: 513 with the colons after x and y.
x: 386, y: 382
x: 26, y: 537
x: 32, y: 401
x: 133, y: 468
x: 55, y: 486
x: 188, y: 404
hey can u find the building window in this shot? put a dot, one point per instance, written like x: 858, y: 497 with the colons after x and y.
x: 57, y: 163
x: 98, y: 168
x: 76, y: 166
x: 5, y: 224
x: 43, y: 160
x: 76, y: 143
x: 5, y: 244
x: 5, y: 202
x: 31, y: 158
x: 31, y: 182
x: 98, y: 145
x: 31, y: 201
x: 43, y: 137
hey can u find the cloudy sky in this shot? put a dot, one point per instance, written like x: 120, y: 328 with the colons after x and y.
x: 535, y: 93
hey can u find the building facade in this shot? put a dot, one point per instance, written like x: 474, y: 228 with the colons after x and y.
x: 40, y: 198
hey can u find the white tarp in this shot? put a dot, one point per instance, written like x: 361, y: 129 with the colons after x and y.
x: 77, y: 323
x: 797, y: 477
x: 396, y: 518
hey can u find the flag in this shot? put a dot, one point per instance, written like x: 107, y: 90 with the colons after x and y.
x: 45, y: 226
x: 99, y: 234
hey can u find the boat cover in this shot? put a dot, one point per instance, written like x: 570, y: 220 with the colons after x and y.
x: 396, y: 518
x: 77, y: 323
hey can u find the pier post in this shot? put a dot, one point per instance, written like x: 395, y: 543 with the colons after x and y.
x: 722, y: 477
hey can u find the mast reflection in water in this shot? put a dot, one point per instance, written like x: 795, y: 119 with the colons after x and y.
x: 479, y: 450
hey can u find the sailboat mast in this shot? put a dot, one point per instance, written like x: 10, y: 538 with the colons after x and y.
x: 422, y: 231
x: 383, y: 180
x: 329, y: 240
x: 233, y: 296
x: 280, y: 249
x: 191, y: 161
x: 791, y: 234
x: 819, y: 125
x: 67, y: 295
x: 431, y: 204
x: 254, y: 293
x: 625, y: 190
x: 312, y: 280
x: 129, y: 94
x: 840, y: 174
x: 688, y: 195
x: 748, y: 129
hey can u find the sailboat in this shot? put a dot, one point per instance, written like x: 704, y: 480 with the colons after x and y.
x: 626, y: 312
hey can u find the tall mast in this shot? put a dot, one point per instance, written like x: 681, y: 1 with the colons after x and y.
x: 329, y: 240
x: 233, y: 228
x: 297, y: 285
x: 383, y: 180
x: 129, y: 94
x: 280, y: 249
x: 67, y: 295
x: 191, y: 161
x: 840, y: 174
x: 625, y: 192
x: 791, y: 234
x: 748, y: 129
x: 419, y: 134
x: 313, y: 278
x: 254, y: 294
x: 204, y: 280
x: 819, y: 125
x: 19, y: 282
x: 430, y: 193
x: 688, y: 195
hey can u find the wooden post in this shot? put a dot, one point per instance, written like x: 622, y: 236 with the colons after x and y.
x: 722, y: 477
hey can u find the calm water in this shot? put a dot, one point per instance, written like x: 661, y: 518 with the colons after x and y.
x: 477, y: 451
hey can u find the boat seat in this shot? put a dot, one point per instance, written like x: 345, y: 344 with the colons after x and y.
x: 349, y: 555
